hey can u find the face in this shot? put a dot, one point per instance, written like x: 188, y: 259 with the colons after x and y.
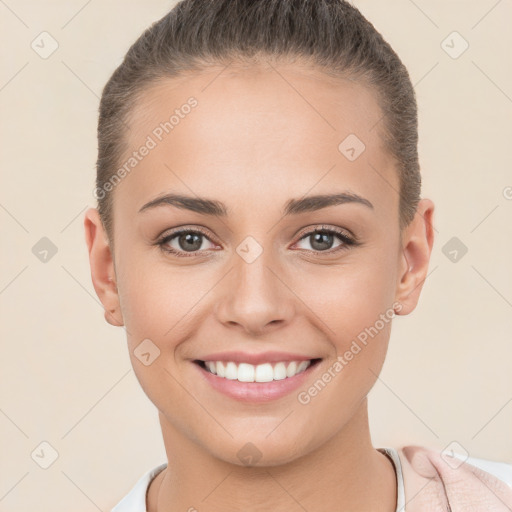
x: 295, y: 256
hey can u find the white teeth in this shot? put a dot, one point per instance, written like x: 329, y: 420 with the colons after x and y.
x: 221, y: 369
x: 231, y: 371
x: 302, y: 366
x: 279, y: 371
x: 291, y: 370
x: 263, y: 373
x: 245, y: 372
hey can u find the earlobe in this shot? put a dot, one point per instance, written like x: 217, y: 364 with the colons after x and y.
x: 113, y: 318
x: 417, y: 243
x: 102, y: 267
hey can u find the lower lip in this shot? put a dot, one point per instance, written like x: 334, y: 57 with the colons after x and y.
x: 256, y: 391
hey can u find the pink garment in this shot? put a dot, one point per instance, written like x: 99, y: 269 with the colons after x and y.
x: 433, y: 483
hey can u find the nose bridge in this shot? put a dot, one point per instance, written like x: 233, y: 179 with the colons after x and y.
x: 253, y: 296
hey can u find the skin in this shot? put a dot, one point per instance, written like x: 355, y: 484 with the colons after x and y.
x: 254, y: 142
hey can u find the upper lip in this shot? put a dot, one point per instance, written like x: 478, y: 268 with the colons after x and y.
x: 263, y: 357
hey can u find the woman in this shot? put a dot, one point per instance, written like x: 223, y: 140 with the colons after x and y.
x: 259, y: 225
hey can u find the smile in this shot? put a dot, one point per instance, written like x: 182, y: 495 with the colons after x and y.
x: 266, y: 372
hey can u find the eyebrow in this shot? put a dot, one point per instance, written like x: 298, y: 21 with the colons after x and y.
x: 206, y: 206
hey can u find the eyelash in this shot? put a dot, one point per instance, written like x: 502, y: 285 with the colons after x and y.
x: 343, y: 236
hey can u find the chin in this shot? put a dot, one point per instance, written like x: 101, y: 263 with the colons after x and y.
x: 262, y: 452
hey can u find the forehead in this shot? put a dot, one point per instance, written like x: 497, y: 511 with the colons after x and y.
x: 287, y: 98
x: 288, y: 127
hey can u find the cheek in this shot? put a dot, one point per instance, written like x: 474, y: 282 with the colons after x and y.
x: 355, y: 305
x: 156, y: 298
x: 349, y: 297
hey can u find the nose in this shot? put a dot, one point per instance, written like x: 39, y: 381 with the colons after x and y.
x: 255, y: 297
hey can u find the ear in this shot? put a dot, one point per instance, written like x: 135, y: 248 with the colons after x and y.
x: 102, y: 267
x: 417, y: 242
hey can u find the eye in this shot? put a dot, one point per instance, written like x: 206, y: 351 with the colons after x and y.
x: 322, y: 239
x: 189, y: 242
x: 183, y: 241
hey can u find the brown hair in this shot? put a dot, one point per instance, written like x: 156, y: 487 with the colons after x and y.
x: 332, y: 35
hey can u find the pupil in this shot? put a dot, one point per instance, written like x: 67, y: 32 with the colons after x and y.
x: 322, y: 241
x: 191, y: 241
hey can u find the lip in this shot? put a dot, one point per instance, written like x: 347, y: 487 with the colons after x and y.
x: 256, y: 392
x: 263, y: 357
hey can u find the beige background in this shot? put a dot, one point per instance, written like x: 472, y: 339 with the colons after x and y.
x: 66, y: 376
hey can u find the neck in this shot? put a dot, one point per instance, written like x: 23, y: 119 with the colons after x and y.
x: 345, y: 473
